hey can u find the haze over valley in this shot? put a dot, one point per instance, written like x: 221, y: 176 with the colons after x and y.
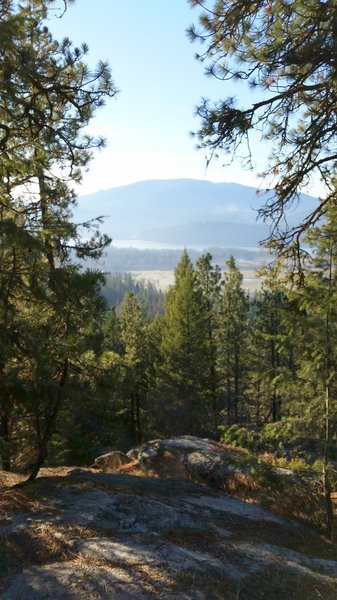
x: 151, y: 222
x: 185, y: 212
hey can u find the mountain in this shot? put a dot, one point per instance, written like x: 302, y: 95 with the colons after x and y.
x: 183, y: 211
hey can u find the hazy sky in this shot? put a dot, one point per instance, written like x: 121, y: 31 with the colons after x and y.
x: 153, y: 63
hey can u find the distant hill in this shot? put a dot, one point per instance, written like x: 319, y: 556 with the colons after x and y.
x: 183, y: 211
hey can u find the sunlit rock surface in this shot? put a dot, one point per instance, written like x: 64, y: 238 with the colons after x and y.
x: 87, y: 535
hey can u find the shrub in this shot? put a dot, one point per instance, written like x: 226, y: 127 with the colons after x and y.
x: 238, y: 436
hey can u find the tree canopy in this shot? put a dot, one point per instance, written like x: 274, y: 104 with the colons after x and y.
x: 286, y: 51
x: 48, y: 96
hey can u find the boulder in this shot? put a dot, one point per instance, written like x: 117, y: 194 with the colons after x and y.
x: 208, y: 467
x: 205, y: 461
x: 111, y: 461
x: 186, y: 457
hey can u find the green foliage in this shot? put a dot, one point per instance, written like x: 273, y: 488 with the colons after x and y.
x: 276, y: 436
x: 299, y: 466
x: 208, y: 282
x: 118, y: 284
x: 262, y: 472
x: 233, y: 333
x: 265, y: 475
x: 70, y: 447
x: 49, y: 309
x: 237, y: 435
x: 133, y: 337
x: 283, y: 51
x: 182, y: 371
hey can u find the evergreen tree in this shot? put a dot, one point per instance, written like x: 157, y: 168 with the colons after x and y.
x: 133, y: 338
x: 233, y: 343
x: 48, y: 96
x: 317, y: 372
x: 208, y: 278
x: 285, y: 51
x: 117, y: 284
x: 65, y: 340
x: 183, y: 369
x: 267, y: 336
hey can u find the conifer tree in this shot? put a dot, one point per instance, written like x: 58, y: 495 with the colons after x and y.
x: 208, y: 278
x: 317, y: 373
x: 48, y: 96
x: 133, y: 338
x: 66, y: 340
x: 267, y: 335
x: 233, y: 342
x: 183, y: 368
x: 284, y: 51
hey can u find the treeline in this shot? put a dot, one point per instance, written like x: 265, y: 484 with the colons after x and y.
x: 116, y: 285
x: 259, y: 370
x: 260, y: 367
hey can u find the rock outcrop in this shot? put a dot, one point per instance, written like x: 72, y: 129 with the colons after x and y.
x: 111, y: 461
x: 82, y: 534
x: 200, y: 460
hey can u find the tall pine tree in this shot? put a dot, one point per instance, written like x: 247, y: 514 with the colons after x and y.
x: 183, y: 369
x: 233, y: 343
x: 48, y: 96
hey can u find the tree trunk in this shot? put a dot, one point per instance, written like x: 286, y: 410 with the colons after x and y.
x: 258, y: 405
x: 132, y: 418
x: 327, y: 432
x: 236, y: 386
x: 326, y: 479
x: 139, y: 429
x: 49, y: 426
x: 276, y: 401
x: 229, y: 400
x: 5, y: 436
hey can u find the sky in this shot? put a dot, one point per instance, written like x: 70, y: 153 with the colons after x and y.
x: 147, y: 125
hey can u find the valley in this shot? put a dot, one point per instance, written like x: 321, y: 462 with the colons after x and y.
x: 162, y: 280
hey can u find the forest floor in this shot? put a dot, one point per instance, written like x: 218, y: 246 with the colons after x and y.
x: 77, y: 533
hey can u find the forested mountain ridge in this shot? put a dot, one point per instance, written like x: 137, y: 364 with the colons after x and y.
x: 184, y: 211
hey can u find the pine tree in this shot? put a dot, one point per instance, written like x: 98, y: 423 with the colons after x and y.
x: 285, y: 51
x: 183, y: 369
x: 233, y: 342
x: 48, y: 96
x: 133, y: 337
x: 267, y: 335
x: 317, y: 366
x: 208, y: 278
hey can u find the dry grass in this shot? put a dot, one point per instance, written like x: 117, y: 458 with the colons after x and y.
x: 234, y: 450
x: 37, y: 544
x: 164, y: 279
x: 15, y: 499
x: 242, y: 485
x: 9, y: 479
x: 32, y: 496
x: 293, y: 500
x: 132, y: 468
x: 167, y: 464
